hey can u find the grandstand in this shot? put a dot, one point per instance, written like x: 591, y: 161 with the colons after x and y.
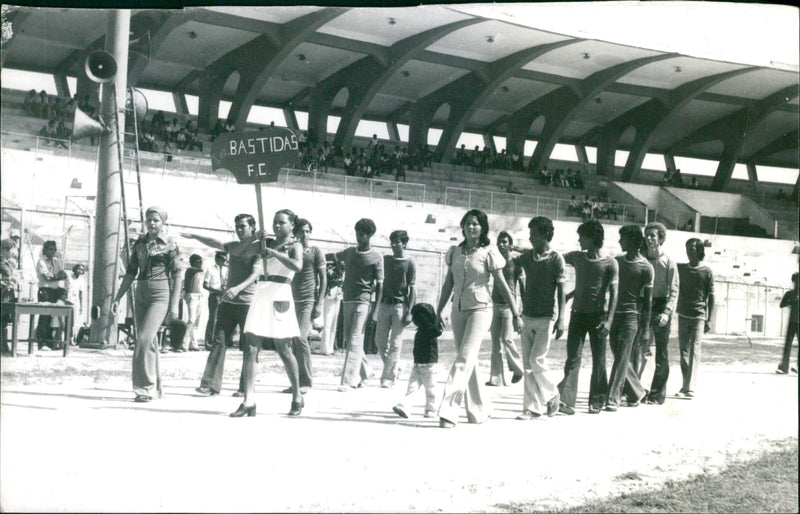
x: 428, y: 82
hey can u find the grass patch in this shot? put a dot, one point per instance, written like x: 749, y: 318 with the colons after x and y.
x: 765, y: 484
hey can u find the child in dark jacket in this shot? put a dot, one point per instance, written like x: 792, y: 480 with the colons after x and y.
x: 426, y: 356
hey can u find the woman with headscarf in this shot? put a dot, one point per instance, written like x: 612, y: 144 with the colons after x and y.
x: 154, y: 264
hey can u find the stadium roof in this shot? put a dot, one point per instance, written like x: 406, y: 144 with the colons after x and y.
x: 403, y: 64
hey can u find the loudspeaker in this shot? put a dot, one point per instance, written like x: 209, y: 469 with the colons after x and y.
x: 85, y: 126
x: 100, y: 66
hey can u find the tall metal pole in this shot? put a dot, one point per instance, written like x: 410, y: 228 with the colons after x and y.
x: 107, y: 231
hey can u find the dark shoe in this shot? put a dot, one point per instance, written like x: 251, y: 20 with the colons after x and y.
x: 563, y: 408
x: 490, y: 384
x: 238, y: 394
x: 399, y: 411
x: 516, y: 378
x: 780, y: 371
x: 610, y: 408
x: 142, y: 398
x: 288, y: 390
x: 794, y: 370
x: 206, y: 391
x: 297, y: 408
x: 689, y: 394
x: 594, y: 409
x: 443, y: 423
x: 552, y: 405
x: 244, y: 411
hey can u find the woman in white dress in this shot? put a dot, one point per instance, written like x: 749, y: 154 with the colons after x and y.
x: 272, y: 312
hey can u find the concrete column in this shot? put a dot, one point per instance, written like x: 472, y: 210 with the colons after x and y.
x: 669, y: 161
x: 211, y: 86
x: 291, y: 119
x: 180, y: 103
x: 752, y: 175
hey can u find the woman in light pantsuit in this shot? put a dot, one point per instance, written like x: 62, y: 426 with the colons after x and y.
x: 472, y: 267
x: 154, y: 264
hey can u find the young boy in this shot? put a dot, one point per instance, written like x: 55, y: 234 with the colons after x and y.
x: 595, y: 277
x: 502, y: 329
x: 695, y: 307
x: 542, y: 288
x: 426, y: 356
x: 635, y: 282
x: 363, y: 274
x: 394, y: 311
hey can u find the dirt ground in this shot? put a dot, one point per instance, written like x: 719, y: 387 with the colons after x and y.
x: 72, y: 440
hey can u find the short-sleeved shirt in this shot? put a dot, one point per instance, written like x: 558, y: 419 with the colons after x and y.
x: 361, y: 271
x: 634, y: 276
x: 472, y: 276
x: 216, y: 277
x: 543, y: 272
x: 697, y: 284
x: 399, y: 276
x: 243, y: 260
x: 154, y: 259
x: 304, y: 284
x: 593, y: 277
x: 510, y: 274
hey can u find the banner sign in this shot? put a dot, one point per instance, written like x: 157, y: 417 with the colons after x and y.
x: 255, y: 157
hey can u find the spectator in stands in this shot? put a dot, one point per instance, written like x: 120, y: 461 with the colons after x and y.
x: 42, y: 105
x: 62, y: 135
x: 611, y: 210
x: 50, y: 133
x: 677, y: 179
x: 586, y: 208
x: 349, y: 164
x: 309, y: 286
x: 502, y: 328
x: 780, y: 195
x: 695, y: 309
x: 394, y: 310
x: 667, y: 180
x: 86, y: 106
x: 52, y: 287
x: 694, y: 184
x: 791, y: 300
x: 688, y: 226
x: 511, y: 189
x: 461, y: 155
x: 595, y: 278
x: 471, y: 267
x: 229, y: 126
x: 578, y: 180
x: 29, y: 104
x: 516, y: 161
x: 574, y: 207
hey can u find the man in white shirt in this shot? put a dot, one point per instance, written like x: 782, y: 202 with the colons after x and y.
x: 214, y: 281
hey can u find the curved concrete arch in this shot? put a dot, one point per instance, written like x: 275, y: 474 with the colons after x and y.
x: 368, y: 75
x: 788, y: 141
x: 468, y: 93
x: 160, y: 25
x: 732, y: 131
x: 560, y: 106
x: 650, y: 116
x: 258, y: 59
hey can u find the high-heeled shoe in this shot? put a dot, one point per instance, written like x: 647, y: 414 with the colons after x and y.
x: 297, y: 408
x: 244, y: 411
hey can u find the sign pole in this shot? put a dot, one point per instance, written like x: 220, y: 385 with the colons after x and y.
x: 261, y: 223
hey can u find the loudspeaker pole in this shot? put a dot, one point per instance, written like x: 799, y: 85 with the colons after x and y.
x: 103, y: 331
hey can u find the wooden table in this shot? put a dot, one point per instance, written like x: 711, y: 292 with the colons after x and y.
x: 33, y: 310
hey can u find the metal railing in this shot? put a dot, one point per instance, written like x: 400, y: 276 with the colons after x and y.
x: 521, y: 205
x: 373, y: 188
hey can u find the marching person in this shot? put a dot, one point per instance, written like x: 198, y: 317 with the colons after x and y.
x: 153, y: 263
x: 471, y: 268
x: 363, y: 275
x: 272, y: 314
x: 595, y: 279
x: 394, y: 311
x: 502, y: 329
x: 635, y: 286
x: 237, y: 292
x: 695, y: 308
x: 308, y: 289
x: 542, y: 294
x: 665, y: 295
x: 193, y: 296
x: 426, y: 357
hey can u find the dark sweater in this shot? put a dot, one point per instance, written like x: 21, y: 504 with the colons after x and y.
x: 426, y: 344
